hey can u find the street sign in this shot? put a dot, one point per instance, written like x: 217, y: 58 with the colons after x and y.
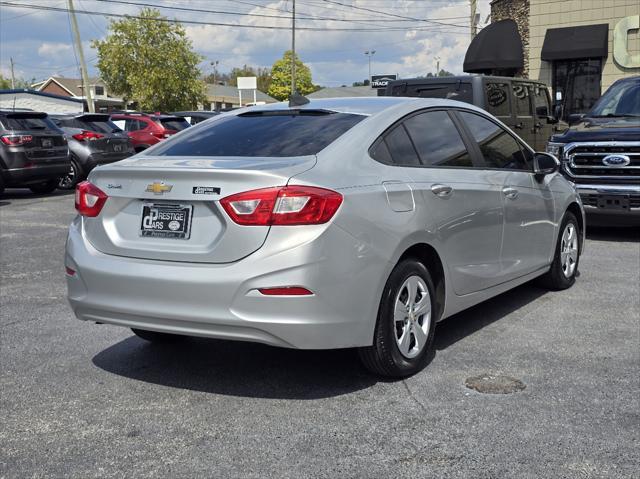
x: 381, y: 81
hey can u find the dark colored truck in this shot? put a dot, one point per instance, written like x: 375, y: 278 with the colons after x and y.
x: 600, y: 153
x: 523, y: 105
x: 33, y: 151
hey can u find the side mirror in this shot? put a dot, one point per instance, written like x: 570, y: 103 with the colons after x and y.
x: 575, y: 118
x: 545, y: 164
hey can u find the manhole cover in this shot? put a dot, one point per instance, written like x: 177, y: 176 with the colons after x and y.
x: 489, y: 384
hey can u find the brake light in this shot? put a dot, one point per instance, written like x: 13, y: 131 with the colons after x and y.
x: 282, y: 205
x: 89, y: 199
x: 88, y: 135
x: 16, y: 140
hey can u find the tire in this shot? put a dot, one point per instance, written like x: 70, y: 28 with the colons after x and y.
x: 156, y: 337
x: 45, y: 188
x: 74, y: 176
x: 403, y: 342
x: 564, y: 267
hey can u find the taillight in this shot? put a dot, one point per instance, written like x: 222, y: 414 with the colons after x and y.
x: 89, y: 199
x: 16, y: 140
x: 88, y: 135
x: 284, y: 205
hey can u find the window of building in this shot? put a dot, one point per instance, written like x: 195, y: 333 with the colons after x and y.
x: 579, y: 81
x: 99, y: 90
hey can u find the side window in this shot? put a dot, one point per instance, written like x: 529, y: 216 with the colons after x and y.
x: 499, y: 149
x: 437, y: 140
x: 380, y: 152
x: 400, y: 147
x: 497, y: 99
x: 541, y: 102
x: 131, y: 125
x: 521, y: 102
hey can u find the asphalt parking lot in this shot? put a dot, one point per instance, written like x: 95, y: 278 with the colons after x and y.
x: 85, y: 400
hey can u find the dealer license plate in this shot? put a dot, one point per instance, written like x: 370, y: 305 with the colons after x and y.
x: 166, y: 221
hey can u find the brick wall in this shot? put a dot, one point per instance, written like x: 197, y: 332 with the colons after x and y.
x: 55, y: 89
x: 518, y: 11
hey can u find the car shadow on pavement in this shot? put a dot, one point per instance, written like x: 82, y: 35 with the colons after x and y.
x: 467, y: 322
x: 237, y: 369
x: 613, y: 233
x: 25, y: 194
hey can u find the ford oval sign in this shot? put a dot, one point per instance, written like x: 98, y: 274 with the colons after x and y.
x: 616, y: 160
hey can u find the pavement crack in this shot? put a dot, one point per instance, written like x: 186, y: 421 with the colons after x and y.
x: 413, y: 397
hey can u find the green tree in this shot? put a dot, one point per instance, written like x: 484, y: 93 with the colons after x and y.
x: 263, y: 76
x: 5, y: 83
x: 280, y: 87
x: 150, y: 61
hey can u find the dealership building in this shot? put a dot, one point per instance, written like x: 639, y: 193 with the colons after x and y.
x: 577, y: 47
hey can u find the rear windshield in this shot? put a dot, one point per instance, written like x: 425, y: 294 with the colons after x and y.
x: 23, y: 123
x: 274, y: 134
x: 99, y: 126
x: 178, y: 124
x: 452, y: 91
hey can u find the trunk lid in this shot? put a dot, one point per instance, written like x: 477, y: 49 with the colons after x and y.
x: 192, y: 188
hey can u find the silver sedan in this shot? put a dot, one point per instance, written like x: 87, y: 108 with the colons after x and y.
x: 357, y: 222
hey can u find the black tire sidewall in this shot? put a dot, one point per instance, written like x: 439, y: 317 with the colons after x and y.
x: 78, y: 168
x: 385, y: 334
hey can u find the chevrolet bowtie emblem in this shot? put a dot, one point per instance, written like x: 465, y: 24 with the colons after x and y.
x: 158, y: 188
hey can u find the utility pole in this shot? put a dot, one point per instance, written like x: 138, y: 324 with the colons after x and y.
x: 13, y: 77
x: 370, y: 53
x: 83, y: 66
x: 437, y: 66
x: 474, y: 21
x: 293, y: 48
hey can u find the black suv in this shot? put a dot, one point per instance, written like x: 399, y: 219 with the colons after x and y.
x: 523, y: 105
x: 600, y: 153
x: 33, y: 151
x: 93, y: 140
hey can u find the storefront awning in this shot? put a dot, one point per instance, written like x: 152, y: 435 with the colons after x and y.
x: 589, y: 41
x: 497, y: 47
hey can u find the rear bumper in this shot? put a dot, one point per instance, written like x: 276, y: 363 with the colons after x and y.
x: 619, y: 203
x: 35, y: 174
x: 222, y: 301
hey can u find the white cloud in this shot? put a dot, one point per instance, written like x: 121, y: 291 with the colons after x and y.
x: 48, y: 50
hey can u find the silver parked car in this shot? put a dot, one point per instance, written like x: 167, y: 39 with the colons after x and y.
x: 339, y: 223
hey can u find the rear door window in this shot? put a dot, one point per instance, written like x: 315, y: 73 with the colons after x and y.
x: 437, y: 140
x: 499, y: 149
x: 497, y: 99
x: 178, y: 124
x: 521, y: 101
x: 277, y: 133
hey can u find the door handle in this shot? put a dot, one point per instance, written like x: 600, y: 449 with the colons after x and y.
x: 510, y: 193
x: 441, y: 190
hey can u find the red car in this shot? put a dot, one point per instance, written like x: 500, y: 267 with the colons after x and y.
x: 146, y: 130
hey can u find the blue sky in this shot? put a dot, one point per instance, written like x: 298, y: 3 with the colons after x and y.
x: 40, y: 41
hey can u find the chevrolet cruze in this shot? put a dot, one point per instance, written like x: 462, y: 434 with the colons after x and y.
x: 337, y: 223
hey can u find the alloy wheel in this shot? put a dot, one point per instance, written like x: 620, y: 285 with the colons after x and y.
x: 412, y: 316
x: 69, y: 179
x: 569, y: 250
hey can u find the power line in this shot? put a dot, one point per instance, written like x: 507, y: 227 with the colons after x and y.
x: 196, y: 22
x: 393, y: 14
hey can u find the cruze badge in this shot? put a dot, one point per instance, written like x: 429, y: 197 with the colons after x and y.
x: 158, y: 188
x: 616, y: 160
